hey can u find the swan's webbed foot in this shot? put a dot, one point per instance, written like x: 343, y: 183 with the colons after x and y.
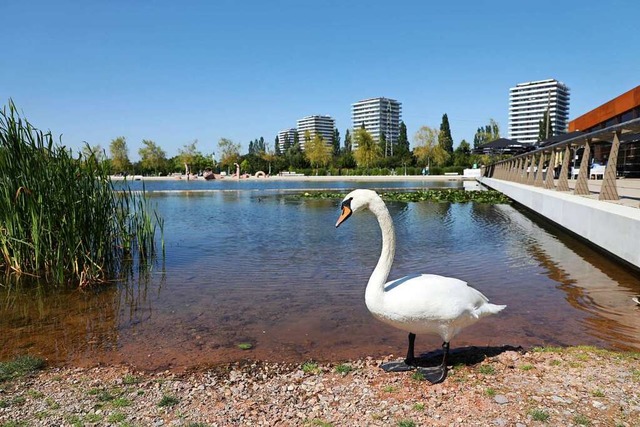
x: 398, y: 366
x: 434, y: 375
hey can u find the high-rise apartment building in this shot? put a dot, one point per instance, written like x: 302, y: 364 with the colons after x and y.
x: 528, y: 103
x: 323, y: 125
x: 286, y: 138
x: 380, y: 116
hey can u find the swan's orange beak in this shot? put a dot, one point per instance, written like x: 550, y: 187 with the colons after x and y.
x: 346, y: 213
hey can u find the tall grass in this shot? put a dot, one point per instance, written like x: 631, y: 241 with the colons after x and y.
x: 60, y: 218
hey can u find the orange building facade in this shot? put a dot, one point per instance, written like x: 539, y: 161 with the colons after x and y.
x: 619, y: 110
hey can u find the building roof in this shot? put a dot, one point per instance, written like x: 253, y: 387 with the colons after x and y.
x: 608, y: 110
x: 501, y: 143
x: 503, y: 146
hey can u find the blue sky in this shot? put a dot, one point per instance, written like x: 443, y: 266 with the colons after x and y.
x: 174, y: 71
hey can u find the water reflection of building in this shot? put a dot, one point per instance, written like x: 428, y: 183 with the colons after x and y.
x: 621, y: 109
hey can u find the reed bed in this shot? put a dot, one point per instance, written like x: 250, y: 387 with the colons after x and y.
x: 60, y: 218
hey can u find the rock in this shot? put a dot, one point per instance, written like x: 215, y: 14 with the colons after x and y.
x: 500, y: 399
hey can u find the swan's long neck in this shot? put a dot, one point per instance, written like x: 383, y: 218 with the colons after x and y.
x: 375, y: 287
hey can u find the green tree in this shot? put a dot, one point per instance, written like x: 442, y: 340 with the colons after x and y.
x: 403, y: 141
x: 229, y: 153
x: 269, y: 156
x: 335, y: 142
x: 307, y: 138
x: 545, y: 129
x: 317, y: 152
x: 152, y: 157
x: 277, y: 146
x: 119, y: 155
x: 347, y: 141
x: 462, y: 154
x: 368, y: 152
x: 295, y: 157
x: 427, y: 149
x: 188, y: 154
x: 485, y: 134
x: 384, y: 149
x: 444, y: 137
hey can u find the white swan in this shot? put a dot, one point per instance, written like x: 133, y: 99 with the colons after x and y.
x: 418, y: 303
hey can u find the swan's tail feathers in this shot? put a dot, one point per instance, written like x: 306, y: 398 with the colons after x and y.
x: 487, y: 309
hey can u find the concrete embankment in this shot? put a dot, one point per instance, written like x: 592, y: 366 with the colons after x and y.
x: 613, y: 227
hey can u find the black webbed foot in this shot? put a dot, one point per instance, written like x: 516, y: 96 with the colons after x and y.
x: 397, y: 366
x: 434, y: 375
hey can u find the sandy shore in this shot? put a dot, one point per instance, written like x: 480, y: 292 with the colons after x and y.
x: 500, y: 387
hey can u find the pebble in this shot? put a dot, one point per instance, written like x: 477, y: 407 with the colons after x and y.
x: 265, y: 394
x: 500, y: 399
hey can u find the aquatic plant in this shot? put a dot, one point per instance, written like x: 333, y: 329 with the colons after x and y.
x: 434, y: 195
x: 60, y: 218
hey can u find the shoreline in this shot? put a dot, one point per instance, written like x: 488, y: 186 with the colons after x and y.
x: 330, y: 178
x: 503, y: 387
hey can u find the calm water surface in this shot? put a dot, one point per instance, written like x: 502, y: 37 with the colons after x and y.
x: 254, y: 264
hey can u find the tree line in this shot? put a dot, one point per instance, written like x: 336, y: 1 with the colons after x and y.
x: 356, y: 153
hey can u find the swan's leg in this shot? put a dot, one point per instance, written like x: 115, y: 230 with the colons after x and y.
x: 437, y: 374
x: 406, y: 364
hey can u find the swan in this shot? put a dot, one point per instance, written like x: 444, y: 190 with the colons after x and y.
x: 417, y: 303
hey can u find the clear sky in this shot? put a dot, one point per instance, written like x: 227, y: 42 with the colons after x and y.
x: 176, y: 71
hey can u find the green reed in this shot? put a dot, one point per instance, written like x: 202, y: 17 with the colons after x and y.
x: 60, y: 218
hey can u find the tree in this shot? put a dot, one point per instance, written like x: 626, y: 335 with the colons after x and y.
x: 229, y: 152
x: 462, y: 154
x: 335, y: 142
x: 188, y: 154
x: 485, y: 134
x: 296, y: 140
x: 347, y: 141
x: 119, y: 155
x: 427, y: 147
x: 368, y: 152
x: 269, y: 155
x: 444, y: 137
x: 403, y: 140
x: 307, y: 138
x: 152, y: 157
x: 317, y: 152
x: 277, y: 146
x: 295, y: 157
x: 545, y: 129
x: 383, y: 145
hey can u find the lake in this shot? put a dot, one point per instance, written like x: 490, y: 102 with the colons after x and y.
x: 250, y: 262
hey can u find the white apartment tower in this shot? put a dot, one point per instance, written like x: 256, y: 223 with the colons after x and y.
x: 286, y: 138
x: 528, y: 103
x: 380, y: 116
x: 323, y: 125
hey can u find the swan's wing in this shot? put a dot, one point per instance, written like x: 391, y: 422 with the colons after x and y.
x: 436, y: 297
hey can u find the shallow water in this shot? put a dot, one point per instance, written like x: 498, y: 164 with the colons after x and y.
x: 257, y: 265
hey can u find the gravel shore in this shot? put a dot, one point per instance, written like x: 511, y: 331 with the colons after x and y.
x: 485, y: 387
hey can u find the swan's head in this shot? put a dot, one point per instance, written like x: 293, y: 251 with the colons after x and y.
x: 354, y: 202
